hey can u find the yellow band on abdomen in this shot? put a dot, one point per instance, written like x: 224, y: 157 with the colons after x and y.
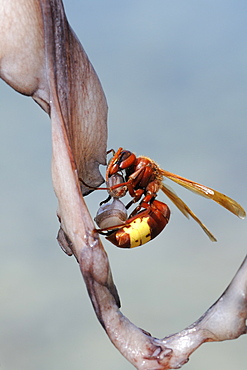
x: 139, y: 232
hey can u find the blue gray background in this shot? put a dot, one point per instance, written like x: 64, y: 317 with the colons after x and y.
x: 174, y: 73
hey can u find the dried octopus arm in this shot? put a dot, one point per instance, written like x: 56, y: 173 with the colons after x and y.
x: 75, y: 91
x: 224, y: 320
x: 141, y: 349
x: 37, y: 47
x: 22, y: 51
x: 52, y: 67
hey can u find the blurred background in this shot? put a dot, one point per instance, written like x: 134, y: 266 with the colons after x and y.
x: 174, y: 74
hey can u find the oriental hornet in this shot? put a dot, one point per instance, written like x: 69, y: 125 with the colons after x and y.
x: 142, y: 178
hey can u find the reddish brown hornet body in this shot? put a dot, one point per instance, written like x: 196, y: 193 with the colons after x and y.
x: 139, y: 229
x: 143, y: 179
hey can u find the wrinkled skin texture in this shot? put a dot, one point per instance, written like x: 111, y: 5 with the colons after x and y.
x: 58, y: 76
x: 41, y: 57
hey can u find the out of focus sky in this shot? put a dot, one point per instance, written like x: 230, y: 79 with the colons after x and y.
x: 174, y: 74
